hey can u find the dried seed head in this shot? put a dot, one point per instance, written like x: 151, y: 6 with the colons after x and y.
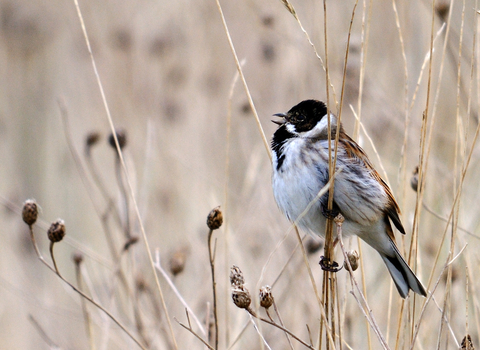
x: 177, y: 261
x: 56, y: 232
x: 353, y: 258
x: 241, y: 297
x: 131, y: 241
x: 77, y: 258
x: 442, y: 10
x: 236, y: 276
x: 266, y: 297
x: 141, y: 284
x: 467, y: 343
x: 30, y: 212
x: 215, y: 219
x: 121, y: 137
x: 268, y: 20
x: 92, y: 138
x: 414, y: 179
x: 313, y: 245
x: 339, y: 219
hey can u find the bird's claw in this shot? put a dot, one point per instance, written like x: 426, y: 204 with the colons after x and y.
x: 330, y: 266
x: 329, y: 214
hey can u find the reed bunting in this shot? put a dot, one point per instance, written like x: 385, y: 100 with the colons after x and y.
x: 300, y: 171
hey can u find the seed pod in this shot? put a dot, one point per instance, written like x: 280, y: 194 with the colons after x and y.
x: 241, y: 297
x: 178, y: 260
x: 353, y: 258
x: 236, y: 276
x: 467, y: 343
x: 77, y: 258
x: 414, y: 179
x: 56, y: 232
x: 30, y: 212
x: 121, y: 137
x: 215, y: 219
x: 266, y: 297
x: 313, y: 245
x: 92, y: 138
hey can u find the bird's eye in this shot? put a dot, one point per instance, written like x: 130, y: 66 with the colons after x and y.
x: 300, y: 118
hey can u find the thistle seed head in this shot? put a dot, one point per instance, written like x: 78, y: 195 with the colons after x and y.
x: 353, y: 258
x: 92, y: 138
x: 236, y: 276
x: 467, y: 343
x: 30, y: 212
x: 215, y: 219
x: 241, y: 297
x: 266, y: 297
x: 414, y: 179
x: 121, y: 137
x: 178, y: 260
x: 77, y: 258
x: 56, y: 232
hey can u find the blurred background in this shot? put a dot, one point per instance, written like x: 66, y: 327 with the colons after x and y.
x: 193, y: 144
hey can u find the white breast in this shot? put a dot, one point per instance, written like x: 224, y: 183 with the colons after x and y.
x: 302, y: 175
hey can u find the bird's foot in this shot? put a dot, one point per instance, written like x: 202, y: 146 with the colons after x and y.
x: 330, y: 266
x: 329, y: 214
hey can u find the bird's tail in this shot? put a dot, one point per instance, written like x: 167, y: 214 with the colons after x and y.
x: 402, y: 274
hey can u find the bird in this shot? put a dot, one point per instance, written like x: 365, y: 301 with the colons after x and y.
x: 300, y: 154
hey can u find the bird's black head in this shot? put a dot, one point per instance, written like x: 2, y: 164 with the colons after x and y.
x: 304, y: 116
x: 299, y: 119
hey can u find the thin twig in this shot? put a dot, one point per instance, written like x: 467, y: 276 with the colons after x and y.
x: 247, y: 90
x: 251, y: 312
x: 189, y: 328
x: 281, y: 322
x: 86, y: 314
x: 259, y: 333
x: 159, y: 267
x: 51, y: 344
x: 55, y: 271
x: 211, y: 255
x: 339, y: 220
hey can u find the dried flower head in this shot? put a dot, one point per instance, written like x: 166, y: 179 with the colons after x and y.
x: 177, y: 261
x: 141, y: 284
x: 313, y: 245
x: 236, y: 276
x: 266, y: 297
x: 121, y: 137
x: 92, y: 138
x: 353, y: 258
x: 56, y: 232
x: 131, y: 241
x: 442, y: 10
x: 77, y: 258
x: 215, y: 219
x: 30, y: 212
x: 241, y: 297
x: 414, y: 179
x: 467, y: 343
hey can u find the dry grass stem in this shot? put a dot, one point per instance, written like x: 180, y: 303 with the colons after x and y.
x: 244, y: 81
x: 122, y: 161
x: 189, y: 311
x: 367, y: 311
x: 253, y: 314
x: 189, y: 328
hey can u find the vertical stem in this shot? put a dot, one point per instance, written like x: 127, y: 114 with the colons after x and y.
x: 214, y: 285
x: 53, y: 258
x: 86, y: 315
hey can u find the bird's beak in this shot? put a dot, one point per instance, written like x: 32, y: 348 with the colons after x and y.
x: 280, y: 115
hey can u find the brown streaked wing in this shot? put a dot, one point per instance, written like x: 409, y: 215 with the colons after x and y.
x: 355, y: 151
